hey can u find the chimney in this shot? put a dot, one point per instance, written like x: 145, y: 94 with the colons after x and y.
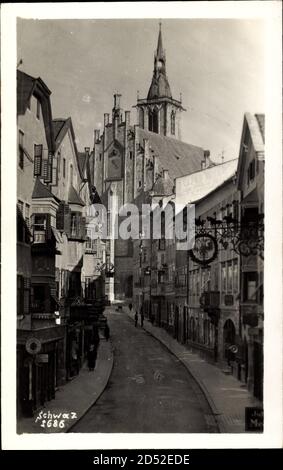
x: 117, y: 97
x: 205, y: 161
x: 96, y: 136
x: 106, y: 119
x: 165, y: 174
x: 206, y: 157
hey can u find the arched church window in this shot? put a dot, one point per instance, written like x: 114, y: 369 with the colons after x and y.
x: 153, y: 121
x: 141, y: 118
x: 173, y: 122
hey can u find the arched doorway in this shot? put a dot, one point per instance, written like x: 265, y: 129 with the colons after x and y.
x: 229, y: 334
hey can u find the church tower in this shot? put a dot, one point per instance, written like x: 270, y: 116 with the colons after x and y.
x: 159, y: 112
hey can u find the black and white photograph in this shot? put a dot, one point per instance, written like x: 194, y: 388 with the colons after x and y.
x: 141, y: 240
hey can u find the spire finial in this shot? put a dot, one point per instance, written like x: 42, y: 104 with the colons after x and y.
x: 160, y: 24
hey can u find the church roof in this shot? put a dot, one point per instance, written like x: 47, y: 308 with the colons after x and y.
x: 178, y: 157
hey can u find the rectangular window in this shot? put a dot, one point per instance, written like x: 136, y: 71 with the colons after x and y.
x: 250, y: 286
x: 64, y: 167
x: 235, y: 277
x: 21, y: 149
x: 37, y: 160
x: 223, y: 277
x: 73, y: 225
x: 131, y: 155
x: 229, y: 277
x: 251, y: 171
x: 37, y: 109
x: 100, y: 157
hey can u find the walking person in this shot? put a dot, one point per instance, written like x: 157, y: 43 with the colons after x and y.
x: 136, y: 319
x: 130, y: 307
x: 106, y: 332
x: 91, y: 357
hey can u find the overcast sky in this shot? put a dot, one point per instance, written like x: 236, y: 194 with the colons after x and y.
x: 217, y: 65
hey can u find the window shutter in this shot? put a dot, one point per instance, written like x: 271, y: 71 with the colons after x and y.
x: 67, y: 220
x: 48, y: 227
x: 37, y: 160
x: 48, y: 163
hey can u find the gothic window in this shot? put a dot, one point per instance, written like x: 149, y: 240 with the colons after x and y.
x: 153, y: 121
x: 173, y: 120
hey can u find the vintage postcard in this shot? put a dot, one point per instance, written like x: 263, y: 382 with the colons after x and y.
x: 141, y: 225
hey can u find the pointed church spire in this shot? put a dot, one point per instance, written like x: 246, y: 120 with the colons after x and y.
x: 159, y: 85
x: 160, y: 53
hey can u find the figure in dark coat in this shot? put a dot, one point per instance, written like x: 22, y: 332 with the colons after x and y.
x: 106, y: 332
x: 91, y: 357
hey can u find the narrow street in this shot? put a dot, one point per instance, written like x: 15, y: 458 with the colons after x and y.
x: 149, y: 389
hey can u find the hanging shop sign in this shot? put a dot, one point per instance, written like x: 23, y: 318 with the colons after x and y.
x: 205, y: 249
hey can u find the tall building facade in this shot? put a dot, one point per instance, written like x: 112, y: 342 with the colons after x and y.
x: 128, y: 160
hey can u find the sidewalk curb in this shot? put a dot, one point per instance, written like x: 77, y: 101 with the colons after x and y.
x: 214, y: 409
x: 100, y: 393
